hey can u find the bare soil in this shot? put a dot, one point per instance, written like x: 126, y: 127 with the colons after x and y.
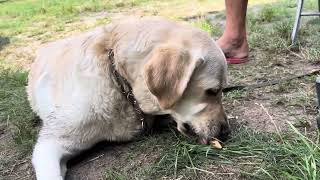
x: 13, y: 165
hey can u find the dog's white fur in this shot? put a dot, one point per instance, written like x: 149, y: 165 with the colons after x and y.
x: 71, y: 90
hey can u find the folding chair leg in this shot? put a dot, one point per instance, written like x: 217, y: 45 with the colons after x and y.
x: 297, y: 21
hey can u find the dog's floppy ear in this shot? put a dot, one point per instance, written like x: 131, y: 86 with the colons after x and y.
x: 168, y: 72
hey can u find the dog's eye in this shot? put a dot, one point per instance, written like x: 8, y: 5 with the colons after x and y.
x: 212, y: 92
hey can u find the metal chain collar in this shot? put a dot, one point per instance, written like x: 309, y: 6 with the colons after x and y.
x: 125, y: 89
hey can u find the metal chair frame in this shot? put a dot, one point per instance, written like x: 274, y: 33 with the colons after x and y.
x: 299, y: 14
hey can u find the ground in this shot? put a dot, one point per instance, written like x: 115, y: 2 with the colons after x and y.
x: 274, y: 131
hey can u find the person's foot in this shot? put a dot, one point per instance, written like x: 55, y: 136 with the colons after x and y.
x: 234, y: 48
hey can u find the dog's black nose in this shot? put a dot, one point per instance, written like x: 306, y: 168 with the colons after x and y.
x: 188, y: 129
x: 224, y: 132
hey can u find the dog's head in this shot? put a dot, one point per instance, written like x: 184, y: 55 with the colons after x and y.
x: 187, y: 82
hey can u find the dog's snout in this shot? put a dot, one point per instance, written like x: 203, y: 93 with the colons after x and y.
x: 188, y: 129
x: 224, y: 132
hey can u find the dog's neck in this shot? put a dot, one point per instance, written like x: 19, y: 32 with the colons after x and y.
x: 129, y: 62
x: 125, y: 88
x: 132, y: 71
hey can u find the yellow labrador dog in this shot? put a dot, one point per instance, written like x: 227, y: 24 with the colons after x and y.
x: 171, y: 68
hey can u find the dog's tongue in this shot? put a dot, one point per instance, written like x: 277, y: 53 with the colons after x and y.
x: 203, y: 141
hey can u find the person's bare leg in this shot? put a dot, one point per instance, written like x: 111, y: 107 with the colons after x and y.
x: 233, y: 42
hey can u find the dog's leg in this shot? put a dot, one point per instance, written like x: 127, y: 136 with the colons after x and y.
x: 63, y: 165
x: 47, y: 156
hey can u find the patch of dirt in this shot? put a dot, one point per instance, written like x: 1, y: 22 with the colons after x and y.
x: 270, y: 108
x: 263, y: 116
x: 215, y: 172
x: 13, y: 165
x: 21, y: 56
x: 93, y: 164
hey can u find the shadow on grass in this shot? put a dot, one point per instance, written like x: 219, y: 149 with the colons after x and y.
x: 121, y: 158
x: 4, y: 41
x: 15, y: 110
x: 3, y: 1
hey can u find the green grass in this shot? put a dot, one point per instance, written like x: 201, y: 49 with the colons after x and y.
x: 256, y: 155
x: 14, y: 108
x: 235, y: 95
x: 270, y: 30
x: 213, y: 29
x: 20, y: 17
x: 114, y: 175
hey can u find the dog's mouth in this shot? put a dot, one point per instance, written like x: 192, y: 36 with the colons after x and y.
x: 199, y: 139
x: 203, y: 140
x: 189, y: 132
